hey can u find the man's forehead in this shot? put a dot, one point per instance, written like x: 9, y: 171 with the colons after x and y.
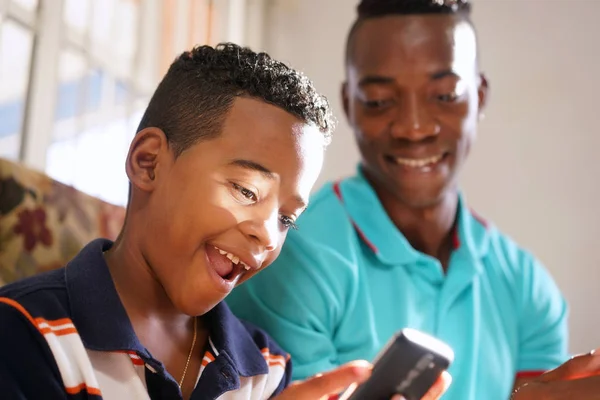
x: 418, y: 41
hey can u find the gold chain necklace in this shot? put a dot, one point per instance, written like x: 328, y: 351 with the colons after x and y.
x: 187, y: 363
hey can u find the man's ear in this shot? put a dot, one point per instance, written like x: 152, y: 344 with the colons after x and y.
x: 483, y: 92
x: 148, y: 154
x: 345, y: 99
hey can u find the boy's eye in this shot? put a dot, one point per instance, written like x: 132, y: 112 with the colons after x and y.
x: 246, y: 193
x: 288, y: 222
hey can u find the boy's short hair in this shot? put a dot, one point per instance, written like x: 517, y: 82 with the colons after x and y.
x: 192, y: 100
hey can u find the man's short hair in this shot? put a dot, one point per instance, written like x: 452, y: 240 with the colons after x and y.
x: 192, y: 100
x: 368, y: 9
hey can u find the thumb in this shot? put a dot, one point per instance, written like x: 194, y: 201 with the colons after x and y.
x: 329, y: 383
x: 580, y: 366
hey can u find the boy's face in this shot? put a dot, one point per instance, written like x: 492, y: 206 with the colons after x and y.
x: 225, y: 204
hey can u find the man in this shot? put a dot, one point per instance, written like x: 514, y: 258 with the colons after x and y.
x: 223, y: 163
x: 396, y: 245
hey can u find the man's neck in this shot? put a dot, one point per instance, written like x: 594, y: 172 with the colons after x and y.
x: 428, y: 229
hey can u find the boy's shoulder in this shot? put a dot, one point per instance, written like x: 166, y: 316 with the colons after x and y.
x: 41, y: 296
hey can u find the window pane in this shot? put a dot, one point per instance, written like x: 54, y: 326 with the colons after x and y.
x: 72, y: 69
x: 103, y: 21
x: 76, y: 13
x: 15, y: 55
x: 94, y: 161
x: 29, y: 5
x: 125, y: 29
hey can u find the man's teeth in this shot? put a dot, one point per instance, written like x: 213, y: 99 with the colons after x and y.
x: 418, y: 163
x: 234, y: 259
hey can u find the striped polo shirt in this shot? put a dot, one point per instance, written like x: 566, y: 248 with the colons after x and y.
x: 348, y: 279
x: 64, y: 334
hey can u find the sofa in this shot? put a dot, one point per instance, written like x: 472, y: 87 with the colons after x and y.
x: 44, y: 223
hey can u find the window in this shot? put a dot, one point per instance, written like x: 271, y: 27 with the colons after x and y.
x: 76, y: 76
x: 97, y: 99
x: 16, y: 44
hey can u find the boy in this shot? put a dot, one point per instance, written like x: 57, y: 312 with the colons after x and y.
x: 222, y: 165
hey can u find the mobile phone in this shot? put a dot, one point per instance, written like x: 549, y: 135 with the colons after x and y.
x: 410, y: 363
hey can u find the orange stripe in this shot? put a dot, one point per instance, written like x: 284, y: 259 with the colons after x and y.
x: 22, y: 310
x: 60, y: 332
x: 83, y: 386
x: 137, y: 361
x: 209, y: 356
x: 274, y: 363
x: 54, y: 323
x: 19, y: 307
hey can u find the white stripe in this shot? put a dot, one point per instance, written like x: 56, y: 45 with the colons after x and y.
x: 212, y: 345
x: 72, y: 359
x: 119, y: 378
x: 258, y: 387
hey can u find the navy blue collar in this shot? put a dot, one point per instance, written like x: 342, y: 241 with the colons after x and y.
x: 103, y: 324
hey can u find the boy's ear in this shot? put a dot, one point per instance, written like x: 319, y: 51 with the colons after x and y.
x: 148, y: 154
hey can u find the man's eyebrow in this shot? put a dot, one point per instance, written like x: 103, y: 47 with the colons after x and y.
x: 386, y: 80
x: 443, y: 74
x: 254, y: 166
x: 375, y: 80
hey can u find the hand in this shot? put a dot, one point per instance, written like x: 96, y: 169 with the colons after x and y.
x: 327, y: 385
x: 578, y: 378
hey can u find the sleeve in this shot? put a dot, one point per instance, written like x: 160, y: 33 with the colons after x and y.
x: 543, y: 330
x: 298, y: 300
x: 27, y: 367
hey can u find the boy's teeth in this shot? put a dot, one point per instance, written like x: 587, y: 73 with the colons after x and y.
x: 234, y: 259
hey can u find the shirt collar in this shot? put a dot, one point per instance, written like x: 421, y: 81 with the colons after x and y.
x: 103, y: 324
x: 380, y: 235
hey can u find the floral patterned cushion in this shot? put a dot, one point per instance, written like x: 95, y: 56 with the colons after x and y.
x: 44, y: 223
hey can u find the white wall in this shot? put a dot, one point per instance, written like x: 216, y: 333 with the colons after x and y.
x: 533, y: 170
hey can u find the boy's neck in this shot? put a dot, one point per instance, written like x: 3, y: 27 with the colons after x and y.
x: 138, y: 287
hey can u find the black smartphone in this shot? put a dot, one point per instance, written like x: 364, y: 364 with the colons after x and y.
x: 409, y: 365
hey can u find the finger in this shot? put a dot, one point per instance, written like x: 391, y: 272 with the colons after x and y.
x: 328, y: 383
x: 580, y: 366
x: 586, y: 388
x: 440, y: 387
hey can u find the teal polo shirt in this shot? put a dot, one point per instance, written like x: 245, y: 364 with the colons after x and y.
x: 348, y: 279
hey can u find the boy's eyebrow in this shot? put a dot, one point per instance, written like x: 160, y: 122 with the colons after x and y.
x: 254, y: 166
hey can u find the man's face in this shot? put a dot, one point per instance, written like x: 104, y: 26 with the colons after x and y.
x: 412, y: 97
x: 220, y: 212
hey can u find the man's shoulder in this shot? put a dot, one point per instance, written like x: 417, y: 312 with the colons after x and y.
x: 40, y: 296
x: 514, y: 261
x: 325, y: 213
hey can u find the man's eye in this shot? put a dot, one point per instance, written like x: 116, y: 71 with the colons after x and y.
x: 288, y: 222
x: 448, y: 98
x: 375, y: 104
x: 247, y: 193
